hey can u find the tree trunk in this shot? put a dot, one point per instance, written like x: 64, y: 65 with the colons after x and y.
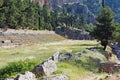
x: 104, y: 43
x: 104, y: 47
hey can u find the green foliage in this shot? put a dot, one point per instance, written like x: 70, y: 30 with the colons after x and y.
x: 89, y: 27
x: 104, y: 28
x: 14, y: 68
x: 1, y: 2
x: 116, y: 34
x: 16, y: 13
x: 25, y: 14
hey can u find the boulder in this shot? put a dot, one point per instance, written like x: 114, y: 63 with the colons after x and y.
x: 65, y: 56
x: 25, y: 76
x: 49, y: 67
x: 56, y: 77
x: 46, y: 68
x: 109, y: 67
x: 55, y: 57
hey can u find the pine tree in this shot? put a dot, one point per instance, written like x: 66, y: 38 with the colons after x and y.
x: 54, y: 19
x: 1, y: 2
x: 2, y: 20
x: 47, y: 16
x: 104, y: 28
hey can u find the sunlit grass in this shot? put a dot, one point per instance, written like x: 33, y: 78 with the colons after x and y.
x: 41, y: 51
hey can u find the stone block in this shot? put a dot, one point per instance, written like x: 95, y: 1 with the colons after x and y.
x: 109, y: 67
x: 26, y: 76
x: 46, y: 68
x: 55, y: 57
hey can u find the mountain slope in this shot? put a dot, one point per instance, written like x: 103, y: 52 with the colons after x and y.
x: 94, y: 6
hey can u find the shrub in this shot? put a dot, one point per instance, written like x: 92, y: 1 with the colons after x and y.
x: 14, y: 68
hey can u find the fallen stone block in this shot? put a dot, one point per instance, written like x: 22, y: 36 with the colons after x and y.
x: 49, y: 67
x: 109, y: 67
x: 26, y: 76
x: 38, y: 70
x: 55, y: 57
x: 46, y: 68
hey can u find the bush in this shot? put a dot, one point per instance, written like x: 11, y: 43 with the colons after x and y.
x: 14, y: 68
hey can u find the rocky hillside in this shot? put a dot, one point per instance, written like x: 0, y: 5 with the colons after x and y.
x: 90, y: 7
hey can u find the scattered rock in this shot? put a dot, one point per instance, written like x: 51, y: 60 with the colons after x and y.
x: 78, y: 54
x: 26, y: 76
x: 92, y: 49
x: 84, y: 52
x: 56, y: 77
x: 109, y: 67
x: 46, y: 68
x: 65, y: 56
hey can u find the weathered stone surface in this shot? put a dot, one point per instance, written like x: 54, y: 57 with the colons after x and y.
x: 38, y: 70
x: 94, y: 6
x: 56, y: 77
x: 26, y: 76
x: 49, y: 67
x: 109, y: 67
x: 55, y: 57
x: 46, y: 68
x: 65, y: 56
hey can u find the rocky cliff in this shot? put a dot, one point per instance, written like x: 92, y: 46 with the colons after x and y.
x: 115, y: 6
x: 92, y: 7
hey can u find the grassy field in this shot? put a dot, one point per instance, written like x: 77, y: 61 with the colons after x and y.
x: 77, y: 69
x: 41, y: 51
